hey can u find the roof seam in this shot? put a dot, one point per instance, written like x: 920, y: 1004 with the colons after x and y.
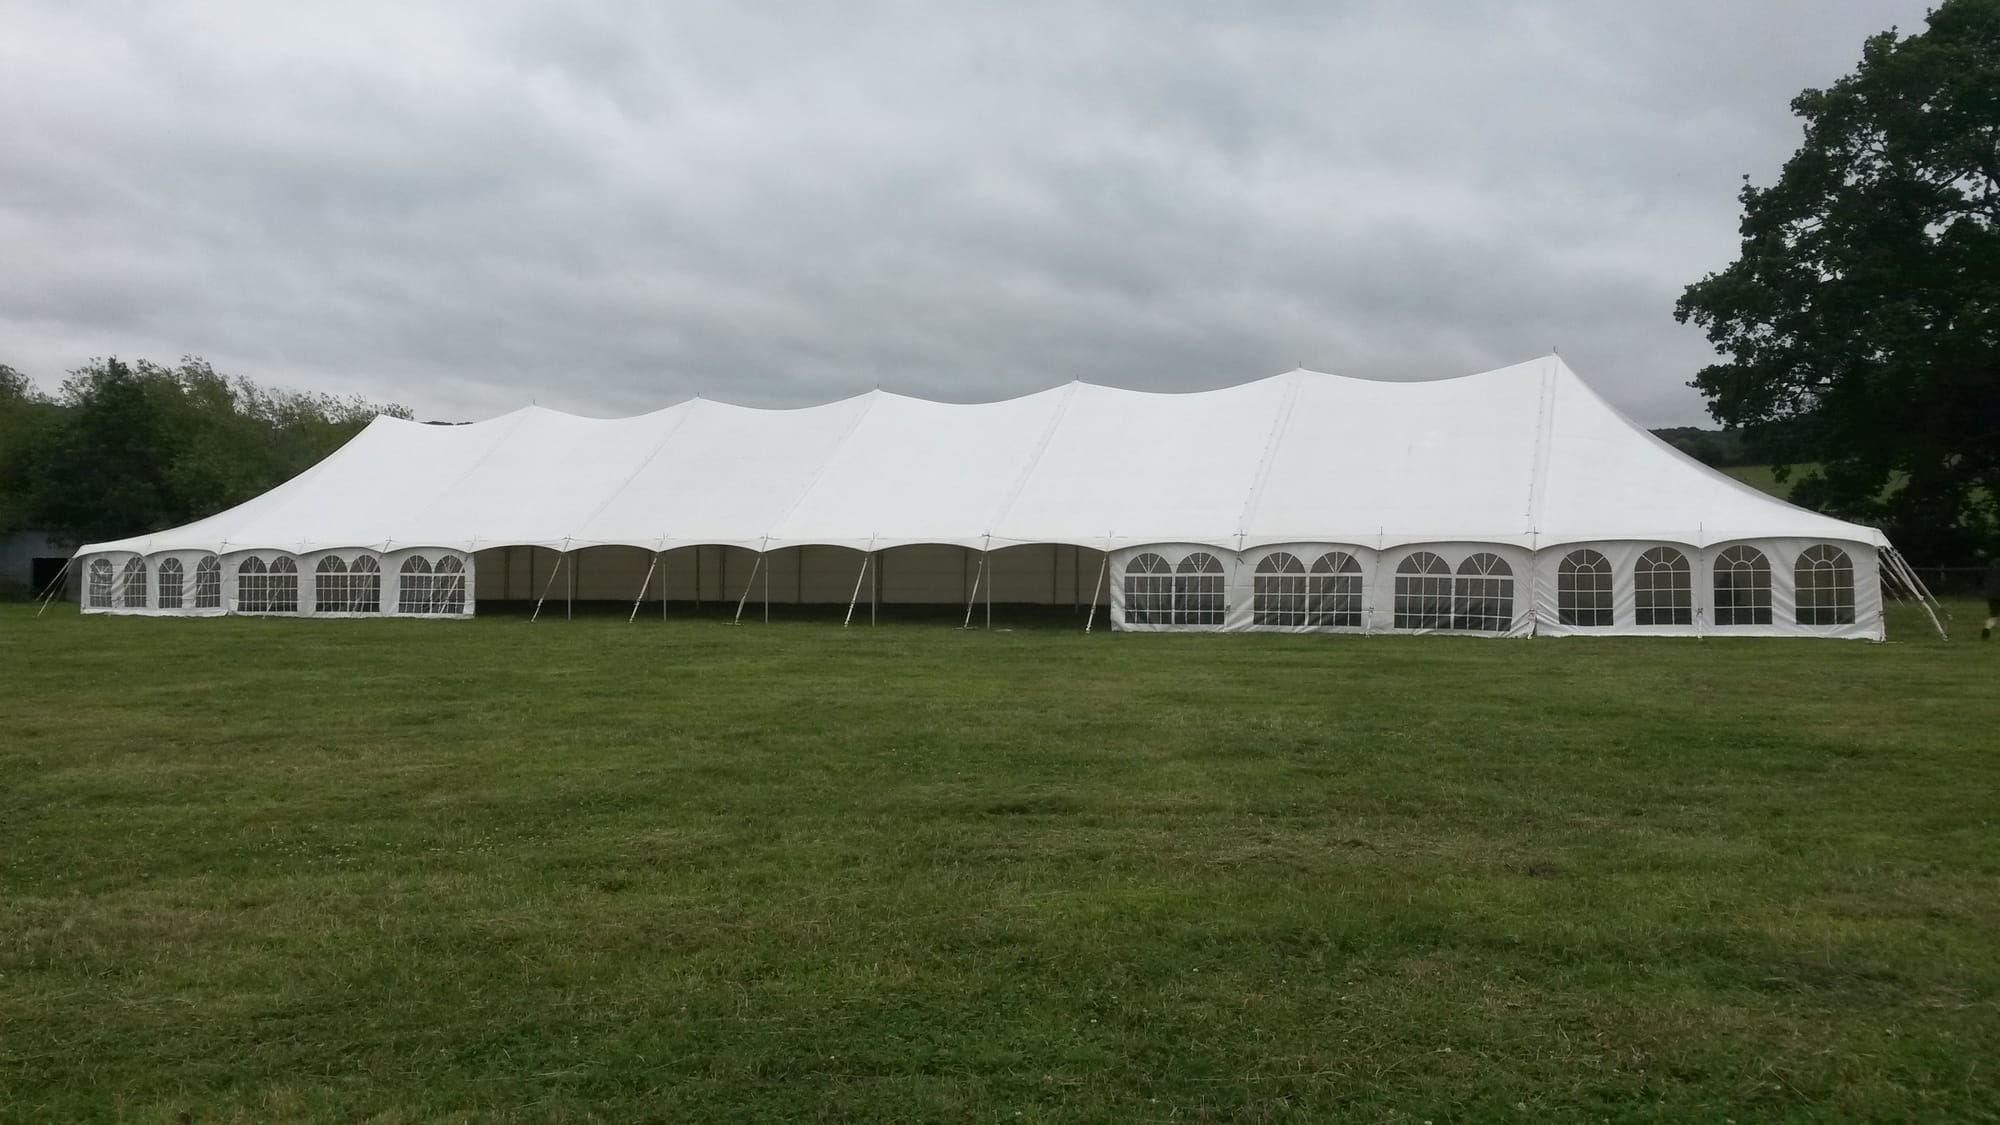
x: 999, y: 516
x: 1279, y: 425
x: 1538, y: 467
x: 832, y: 455
x: 658, y: 448
x: 520, y: 417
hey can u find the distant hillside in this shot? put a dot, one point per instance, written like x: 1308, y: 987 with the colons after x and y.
x: 1719, y: 448
x: 1761, y: 478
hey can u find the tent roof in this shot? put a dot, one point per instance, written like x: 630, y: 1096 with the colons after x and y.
x: 1526, y: 455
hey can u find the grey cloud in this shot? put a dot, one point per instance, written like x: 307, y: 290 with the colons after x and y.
x: 606, y: 207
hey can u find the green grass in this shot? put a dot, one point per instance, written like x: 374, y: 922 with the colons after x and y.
x: 400, y: 871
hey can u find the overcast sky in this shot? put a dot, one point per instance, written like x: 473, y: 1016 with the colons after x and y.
x: 606, y: 207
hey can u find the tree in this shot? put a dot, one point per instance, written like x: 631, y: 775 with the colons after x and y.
x: 139, y: 446
x: 24, y: 416
x: 1861, y: 324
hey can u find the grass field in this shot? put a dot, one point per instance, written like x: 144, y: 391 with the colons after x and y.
x: 406, y: 871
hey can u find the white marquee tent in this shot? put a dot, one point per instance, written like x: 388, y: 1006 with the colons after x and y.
x: 1511, y: 502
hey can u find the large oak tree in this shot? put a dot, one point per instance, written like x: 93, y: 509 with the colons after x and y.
x: 1861, y: 324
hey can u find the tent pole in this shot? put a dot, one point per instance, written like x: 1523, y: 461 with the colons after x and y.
x: 856, y: 599
x: 972, y: 596
x: 744, y: 600
x: 697, y: 580
x: 569, y: 594
x: 1917, y: 588
x: 989, y: 591
x: 550, y: 585
x: 866, y: 557
x: 874, y: 590
x: 1101, y: 569
x: 56, y: 584
x: 645, y: 586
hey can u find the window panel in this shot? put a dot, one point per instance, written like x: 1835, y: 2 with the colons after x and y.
x: 99, y: 591
x: 330, y: 590
x: 1662, y: 588
x: 448, y: 586
x: 364, y: 585
x: 253, y: 586
x: 132, y: 585
x: 284, y: 585
x: 1149, y: 591
x: 1483, y: 597
x: 1583, y: 590
x: 208, y: 583
x: 1199, y: 597
x: 1823, y: 579
x: 1278, y: 591
x: 170, y: 584
x: 1334, y: 592
x: 1423, y: 592
x: 413, y: 593
x: 1742, y: 587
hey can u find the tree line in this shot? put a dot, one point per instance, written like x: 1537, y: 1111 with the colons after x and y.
x: 126, y: 448
x: 1860, y: 324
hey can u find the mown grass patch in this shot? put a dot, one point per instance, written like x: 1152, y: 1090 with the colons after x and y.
x: 407, y: 870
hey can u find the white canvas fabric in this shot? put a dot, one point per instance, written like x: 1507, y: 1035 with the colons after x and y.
x: 1517, y: 463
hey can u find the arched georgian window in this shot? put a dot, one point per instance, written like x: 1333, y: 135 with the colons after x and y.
x: 1334, y: 592
x: 1742, y: 587
x: 284, y: 585
x: 1662, y: 588
x: 253, y: 586
x: 413, y: 593
x: 1149, y: 591
x: 1199, y: 598
x: 132, y: 584
x: 1483, y: 600
x: 1583, y: 590
x: 364, y: 586
x: 448, y: 586
x: 1423, y: 592
x: 1823, y: 579
x: 208, y: 583
x: 330, y: 585
x: 1278, y: 591
x: 99, y: 591
x: 170, y: 596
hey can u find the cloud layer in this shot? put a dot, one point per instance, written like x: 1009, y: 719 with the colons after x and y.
x: 607, y: 207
